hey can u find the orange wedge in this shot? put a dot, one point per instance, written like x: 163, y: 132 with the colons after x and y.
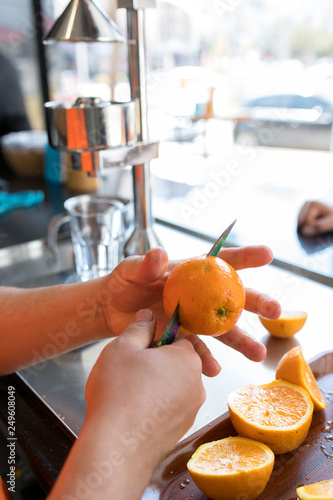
x: 277, y: 414
x: 293, y: 368
x: 289, y: 323
x: 4, y: 493
x: 231, y: 468
x: 323, y: 490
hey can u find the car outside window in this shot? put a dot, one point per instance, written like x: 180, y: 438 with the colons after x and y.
x: 302, y: 102
x: 272, y: 101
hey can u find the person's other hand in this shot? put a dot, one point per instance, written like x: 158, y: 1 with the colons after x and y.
x: 256, y: 302
x: 140, y: 403
x: 151, y: 395
x: 138, y: 283
x: 315, y: 218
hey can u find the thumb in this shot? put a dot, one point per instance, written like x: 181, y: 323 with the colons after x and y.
x: 140, y: 333
x: 325, y: 224
x: 145, y: 269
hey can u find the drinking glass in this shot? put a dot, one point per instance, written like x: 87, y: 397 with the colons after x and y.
x: 97, y: 233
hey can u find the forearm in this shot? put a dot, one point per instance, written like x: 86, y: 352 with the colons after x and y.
x: 106, y: 463
x: 41, y: 323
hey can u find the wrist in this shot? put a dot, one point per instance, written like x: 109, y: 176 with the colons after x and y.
x: 104, y: 299
x: 119, y: 453
x: 93, y: 310
x: 138, y: 442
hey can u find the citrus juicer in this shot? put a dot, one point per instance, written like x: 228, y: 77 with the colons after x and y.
x: 91, y: 125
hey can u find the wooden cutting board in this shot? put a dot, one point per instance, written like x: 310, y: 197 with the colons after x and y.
x: 309, y: 463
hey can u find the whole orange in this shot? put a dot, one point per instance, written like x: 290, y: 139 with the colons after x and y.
x: 210, y: 295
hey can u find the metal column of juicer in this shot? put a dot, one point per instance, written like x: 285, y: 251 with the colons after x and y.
x: 91, y: 124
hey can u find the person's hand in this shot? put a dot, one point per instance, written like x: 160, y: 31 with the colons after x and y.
x: 315, y: 218
x: 132, y: 383
x: 256, y: 302
x: 138, y: 283
x: 140, y: 403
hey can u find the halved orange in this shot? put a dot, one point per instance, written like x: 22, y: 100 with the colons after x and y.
x: 294, y: 368
x: 289, y: 323
x: 231, y: 468
x: 4, y: 493
x: 278, y: 414
x: 323, y: 490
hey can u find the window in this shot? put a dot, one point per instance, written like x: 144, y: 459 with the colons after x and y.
x: 18, y: 46
x: 204, y: 60
x: 279, y: 53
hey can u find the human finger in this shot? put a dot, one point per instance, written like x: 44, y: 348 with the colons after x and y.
x: 320, y: 225
x: 311, y: 229
x: 307, y: 212
x: 210, y: 366
x: 258, y: 303
x: 314, y: 217
x: 140, y: 332
x: 249, y: 256
x: 325, y: 224
x: 242, y: 342
x: 241, y: 257
x: 262, y: 304
x: 144, y: 269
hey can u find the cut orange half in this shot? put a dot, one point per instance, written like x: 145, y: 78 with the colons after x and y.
x: 289, y: 323
x: 294, y: 368
x: 231, y: 468
x: 278, y: 414
x: 4, y: 493
x: 323, y: 490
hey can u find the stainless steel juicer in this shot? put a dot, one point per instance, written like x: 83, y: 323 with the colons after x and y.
x: 91, y: 125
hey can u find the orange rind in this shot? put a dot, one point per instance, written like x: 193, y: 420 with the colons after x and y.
x: 322, y: 490
x: 231, y: 468
x: 278, y: 414
x: 209, y: 294
x: 294, y: 368
x: 287, y: 325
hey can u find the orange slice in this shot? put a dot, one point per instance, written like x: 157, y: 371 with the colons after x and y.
x: 289, y: 323
x: 323, y: 490
x: 278, y: 414
x: 293, y: 368
x: 231, y: 468
x: 4, y: 493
